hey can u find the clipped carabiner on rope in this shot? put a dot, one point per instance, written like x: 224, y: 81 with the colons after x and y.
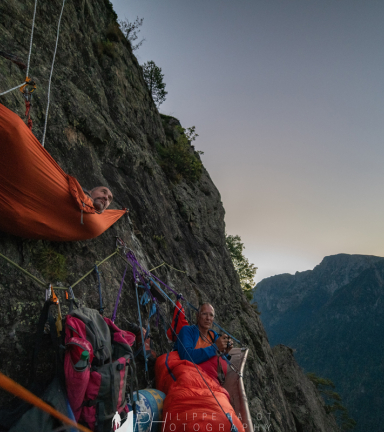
x: 28, y: 88
x: 54, y: 298
x: 59, y: 322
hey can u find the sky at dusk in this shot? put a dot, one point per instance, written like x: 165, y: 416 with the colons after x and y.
x: 287, y: 97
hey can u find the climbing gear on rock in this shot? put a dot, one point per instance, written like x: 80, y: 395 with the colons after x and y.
x: 27, y: 89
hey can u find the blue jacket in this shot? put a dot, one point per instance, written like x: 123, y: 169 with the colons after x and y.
x: 187, y: 339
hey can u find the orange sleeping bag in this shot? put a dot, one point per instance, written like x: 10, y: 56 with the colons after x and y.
x: 37, y: 198
x: 189, y: 405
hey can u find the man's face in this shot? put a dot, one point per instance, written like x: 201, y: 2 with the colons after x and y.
x: 102, y: 197
x: 205, y: 317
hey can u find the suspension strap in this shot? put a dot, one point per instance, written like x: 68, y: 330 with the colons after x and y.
x: 50, y: 76
x: 101, y: 308
x: 233, y: 427
x: 169, y: 370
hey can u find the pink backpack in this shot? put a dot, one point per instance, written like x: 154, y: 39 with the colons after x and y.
x: 97, y: 357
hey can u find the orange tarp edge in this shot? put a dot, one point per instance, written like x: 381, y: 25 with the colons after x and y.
x: 37, y: 198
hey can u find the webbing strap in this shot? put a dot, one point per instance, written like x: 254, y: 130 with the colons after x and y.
x: 140, y: 321
x: 169, y: 370
x: 144, y: 298
x: 233, y: 427
x: 175, y: 325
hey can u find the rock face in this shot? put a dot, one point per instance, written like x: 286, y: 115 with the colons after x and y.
x: 104, y: 129
x: 333, y: 318
x: 301, y: 394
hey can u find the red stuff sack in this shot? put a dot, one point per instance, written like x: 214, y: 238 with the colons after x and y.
x: 96, y: 364
x: 178, y: 322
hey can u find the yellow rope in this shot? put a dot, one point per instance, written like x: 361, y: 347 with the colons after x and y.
x: 164, y: 263
x: 44, y: 284
x: 98, y: 264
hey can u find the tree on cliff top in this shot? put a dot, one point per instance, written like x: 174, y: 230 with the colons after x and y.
x: 333, y: 401
x: 154, y: 80
x: 244, y: 268
x: 130, y: 30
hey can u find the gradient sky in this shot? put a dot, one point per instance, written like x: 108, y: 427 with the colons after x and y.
x: 287, y: 99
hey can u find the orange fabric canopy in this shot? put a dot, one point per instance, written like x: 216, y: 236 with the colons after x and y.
x: 37, y: 198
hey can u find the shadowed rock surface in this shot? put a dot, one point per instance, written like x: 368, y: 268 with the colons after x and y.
x: 301, y: 394
x: 104, y: 129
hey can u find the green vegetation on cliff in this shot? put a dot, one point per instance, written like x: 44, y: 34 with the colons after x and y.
x: 244, y: 268
x: 333, y: 401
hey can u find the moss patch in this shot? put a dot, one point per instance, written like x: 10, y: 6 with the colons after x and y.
x: 51, y: 264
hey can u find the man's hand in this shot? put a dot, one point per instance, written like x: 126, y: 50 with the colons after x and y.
x: 224, y: 343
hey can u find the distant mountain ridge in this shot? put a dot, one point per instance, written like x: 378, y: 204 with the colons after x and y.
x: 333, y: 317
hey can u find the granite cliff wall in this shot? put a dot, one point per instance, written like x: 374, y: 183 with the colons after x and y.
x: 104, y: 128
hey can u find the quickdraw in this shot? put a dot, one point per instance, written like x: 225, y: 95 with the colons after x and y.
x: 27, y: 89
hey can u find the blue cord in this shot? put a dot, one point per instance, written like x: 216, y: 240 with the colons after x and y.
x: 141, y: 331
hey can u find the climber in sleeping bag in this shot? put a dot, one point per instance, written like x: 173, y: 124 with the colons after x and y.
x: 192, y: 378
x: 200, y: 344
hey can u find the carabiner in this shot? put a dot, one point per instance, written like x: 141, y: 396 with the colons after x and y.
x: 31, y: 87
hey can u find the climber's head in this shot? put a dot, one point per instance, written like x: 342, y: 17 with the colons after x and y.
x: 205, y: 317
x: 102, y: 197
